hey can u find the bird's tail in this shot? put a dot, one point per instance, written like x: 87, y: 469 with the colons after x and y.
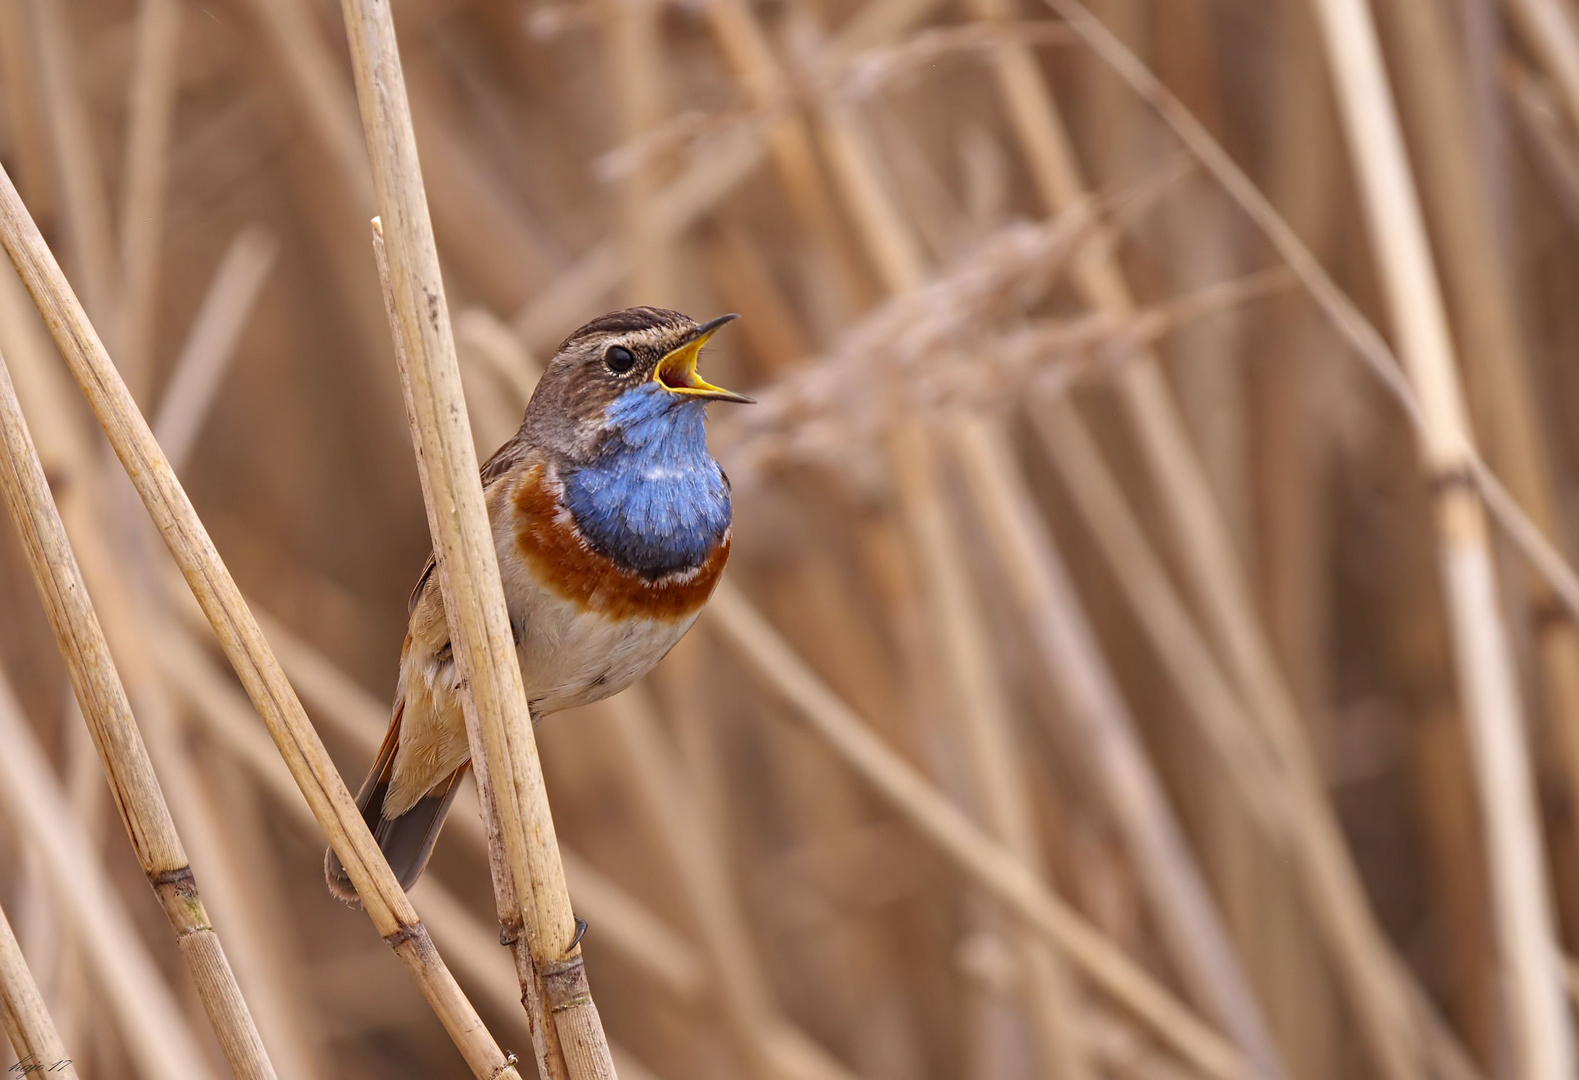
x: 406, y: 840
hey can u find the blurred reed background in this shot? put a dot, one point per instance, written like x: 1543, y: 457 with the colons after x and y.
x: 1092, y: 595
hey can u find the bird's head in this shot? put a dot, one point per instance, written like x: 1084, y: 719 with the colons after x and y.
x: 624, y: 370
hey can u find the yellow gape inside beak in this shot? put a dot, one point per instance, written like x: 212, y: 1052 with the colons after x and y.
x: 676, y: 372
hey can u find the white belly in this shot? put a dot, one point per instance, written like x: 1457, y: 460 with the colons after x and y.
x: 572, y: 657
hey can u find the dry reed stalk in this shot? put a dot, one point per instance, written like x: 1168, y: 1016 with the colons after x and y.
x: 121, y: 751
x: 131, y: 623
x: 211, y: 342
x: 1288, y: 806
x: 251, y: 926
x: 983, y: 859
x: 1219, y: 587
x: 1296, y: 448
x: 481, y: 224
x: 69, y: 459
x: 1443, y: 772
x: 23, y: 1016
x: 228, y: 722
x: 694, y: 852
x: 1400, y: 1002
x: 1181, y: 905
x: 473, y: 948
x: 899, y: 259
x: 1167, y: 451
x: 151, y: 1023
x: 72, y: 462
x: 43, y: 934
x: 742, y: 277
x: 514, y: 904
x: 1498, y: 366
x: 318, y: 87
x: 470, y: 213
x: 626, y: 925
x: 1180, y: 901
x: 1165, y: 618
x: 270, y: 970
x: 1294, y: 452
x: 1547, y: 132
x: 716, y: 168
x: 475, y: 952
x: 878, y: 22
x: 636, y: 54
x: 238, y: 632
x: 1547, y: 28
x: 1543, y: 1034
x: 499, y: 723
x: 493, y: 343
x: 153, y: 98
x: 867, y: 976
x: 47, y: 396
x: 983, y: 715
x: 757, y: 71
x: 476, y: 955
x: 889, y: 242
x: 25, y: 113
x: 1347, y: 319
x: 507, y: 830
x: 87, y: 208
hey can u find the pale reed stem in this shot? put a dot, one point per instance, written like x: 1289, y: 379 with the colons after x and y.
x: 238, y: 633
x: 23, y: 1015
x: 1543, y: 1033
x: 499, y: 724
x: 121, y: 751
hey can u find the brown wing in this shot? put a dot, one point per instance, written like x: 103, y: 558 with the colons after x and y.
x: 497, y: 466
x: 406, y: 840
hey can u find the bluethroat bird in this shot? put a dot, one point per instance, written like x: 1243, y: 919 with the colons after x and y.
x: 612, y: 523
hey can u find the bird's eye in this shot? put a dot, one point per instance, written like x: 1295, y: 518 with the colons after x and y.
x: 619, y: 359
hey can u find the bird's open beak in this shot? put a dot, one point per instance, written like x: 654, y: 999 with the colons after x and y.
x: 676, y: 372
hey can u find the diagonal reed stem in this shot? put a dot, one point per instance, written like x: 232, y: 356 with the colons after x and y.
x: 984, y: 859
x: 158, y: 1039
x: 981, y: 711
x: 23, y: 1015
x: 238, y: 633
x: 108, y: 714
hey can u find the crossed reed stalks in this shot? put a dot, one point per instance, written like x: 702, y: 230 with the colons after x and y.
x: 1244, y: 940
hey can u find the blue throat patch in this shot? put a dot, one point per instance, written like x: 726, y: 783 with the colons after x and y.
x: 653, y: 500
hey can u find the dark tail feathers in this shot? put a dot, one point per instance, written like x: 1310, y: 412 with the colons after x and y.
x: 407, y: 840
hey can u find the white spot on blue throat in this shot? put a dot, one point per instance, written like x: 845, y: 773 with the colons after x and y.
x: 654, y: 499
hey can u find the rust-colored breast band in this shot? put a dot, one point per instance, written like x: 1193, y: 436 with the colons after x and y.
x: 561, y: 559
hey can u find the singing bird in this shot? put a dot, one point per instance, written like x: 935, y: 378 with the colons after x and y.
x: 612, y: 524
